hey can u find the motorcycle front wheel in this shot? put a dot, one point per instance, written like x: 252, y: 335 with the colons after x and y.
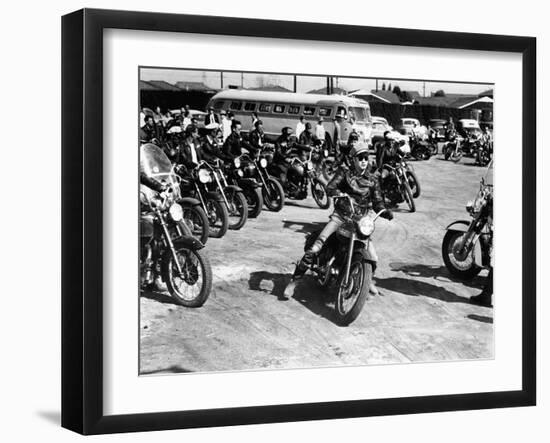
x: 192, y: 287
x: 238, y: 210
x: 254, y: 200
x: 351, y: 297
x: 413, y: 183
x: 461, y: 265
x: 319, y: 193
x: 408, y: 196
x: 196, y: 220
x: 218, y: 218
x: 456, y: 156
x: 273, y: 195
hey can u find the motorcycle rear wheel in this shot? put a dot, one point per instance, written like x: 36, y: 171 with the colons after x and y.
x: 218, y: 218
x: 413, y: 183
x: 238, y: 210
x: 273, y: 195
x: 465, y: 269
x: 193, y: 287
x: 319, y: 193
x: 351, y: 297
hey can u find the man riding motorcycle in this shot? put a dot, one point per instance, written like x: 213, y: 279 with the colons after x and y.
x: 234, y: 144
x: 363, y: 187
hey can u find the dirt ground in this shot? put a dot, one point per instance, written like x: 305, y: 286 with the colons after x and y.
x: 421, y: 314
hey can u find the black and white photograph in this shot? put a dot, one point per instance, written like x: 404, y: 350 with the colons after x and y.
x: 293, y: 221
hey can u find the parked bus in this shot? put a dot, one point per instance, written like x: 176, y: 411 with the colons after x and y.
x: 280, y: 109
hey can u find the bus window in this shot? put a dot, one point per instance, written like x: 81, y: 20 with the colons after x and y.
x: 236, y: 106
x: 264, y: 107
x: 341, y: 112
x: 325, y: 112
x: 279, y: 109
x: 360, y: 114
x: 218, y: 104
x: 250, y: 107
x: 294, y: 109
x: 309, y: 110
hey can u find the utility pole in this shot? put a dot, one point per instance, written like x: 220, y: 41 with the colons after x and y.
x: 376, y: 85
x: 221, y: 79
x: 424, y: 92
x: 295, y: 83
x: 242, y: 80
x: 328, y: 85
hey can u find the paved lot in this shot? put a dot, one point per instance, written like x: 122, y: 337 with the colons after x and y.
x: 421, y: 315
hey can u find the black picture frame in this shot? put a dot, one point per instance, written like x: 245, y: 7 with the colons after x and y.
x: 82, y: 218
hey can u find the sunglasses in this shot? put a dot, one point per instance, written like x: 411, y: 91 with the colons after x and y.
x: 362, y: 157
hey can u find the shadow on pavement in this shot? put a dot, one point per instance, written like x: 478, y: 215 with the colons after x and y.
x: 159, y: 296
x: 307, y: 293
x: 481, y: 318
x: 437, y: 272
x: 416, y: 288
x: 302, y: 226
x: 54, y: 417
x: 174, y: 369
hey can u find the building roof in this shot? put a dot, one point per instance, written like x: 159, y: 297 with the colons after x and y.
x: 413, y: 94
x: 461, y: 104
x: 146, y: 86
x: 275, y: 88
x: 488, y: 93
x: 193, y: 86
x: 383, y: 96
x: 338, y: 91
x: 163, y: 86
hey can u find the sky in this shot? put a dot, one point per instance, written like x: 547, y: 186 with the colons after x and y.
x: 305, y: 83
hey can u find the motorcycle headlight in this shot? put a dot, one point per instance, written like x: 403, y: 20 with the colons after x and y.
x: 263, y: 162
x: 309, y: 165
x: 204, y: 176
x: 237, y: 162
x: 176, y: 212
x: 325, y: 152
x: 240, y: 173
x: 366, y: 226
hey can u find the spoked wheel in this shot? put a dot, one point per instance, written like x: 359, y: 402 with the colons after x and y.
x: 408, y: 196
x: 273, y: 195
x: 460, y: 263
x: 254, y: 200
x: 218, y: 218
x: 192, y: 287
x: 351, y: 297
x: 319, y: 193
x: 238, y: 209
x: 413, y: 183
x: 197, y: 222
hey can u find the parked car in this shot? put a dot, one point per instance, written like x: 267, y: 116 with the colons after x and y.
x: 468, y: 128
x: 438, y: 126
x: 406, y: 125
x: 379, y: 126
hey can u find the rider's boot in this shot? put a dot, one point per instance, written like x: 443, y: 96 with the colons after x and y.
x: 301, y: 267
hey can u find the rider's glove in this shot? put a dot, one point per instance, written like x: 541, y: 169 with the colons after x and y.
x: 387, y: 214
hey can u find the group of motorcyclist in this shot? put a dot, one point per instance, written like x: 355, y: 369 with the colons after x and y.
x: 356, y: 175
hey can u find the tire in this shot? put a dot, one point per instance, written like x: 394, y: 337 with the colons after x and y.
x: 348, y: 307
x: 469, y: 269
x: 414, y: 184
x: 319, y: 193
x: 237, y: 211
x: 456, y: 156
x: 197, y: 222
x: 197, y: 270
x: 218, y: 218
x: 447, y: 153
x: 254, y: 200
x: 408, y: 196
x: 273, y: 195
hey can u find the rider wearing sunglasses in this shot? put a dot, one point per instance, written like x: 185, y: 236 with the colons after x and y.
x: 363, y: 187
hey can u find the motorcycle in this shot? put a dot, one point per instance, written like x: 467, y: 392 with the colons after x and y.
x: 345, y: 261
x: 396, y: 187
x: 194, y: 184
x: 421, y: 149
x: 452, y: 149
x: 232, y: 196
x: 169, y: 254
x: 235, y: 175
x: 484, y: 153
x: 303, y: 173
x: 272, y: 191
x: 467, y: 244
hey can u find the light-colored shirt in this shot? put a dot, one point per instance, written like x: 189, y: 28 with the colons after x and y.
x: 300, y: 127
x: 320, y: 131
x: 226, y: 127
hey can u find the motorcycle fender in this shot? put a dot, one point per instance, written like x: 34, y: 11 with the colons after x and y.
x: 364, y: 250
x: 188, y: 242
x: 249, y: 183
x: 189, y: 201
x: 214, y: 196
x: 462, y: 226
x: 321, y: 179
x: 234, y: 188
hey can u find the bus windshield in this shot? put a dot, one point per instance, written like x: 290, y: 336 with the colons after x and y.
x: 360, y: 114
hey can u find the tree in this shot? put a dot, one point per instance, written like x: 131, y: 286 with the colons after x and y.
x: 397, y: 91
x: 383, y: 86
x: 389, y: 86
x: 439, y: 93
